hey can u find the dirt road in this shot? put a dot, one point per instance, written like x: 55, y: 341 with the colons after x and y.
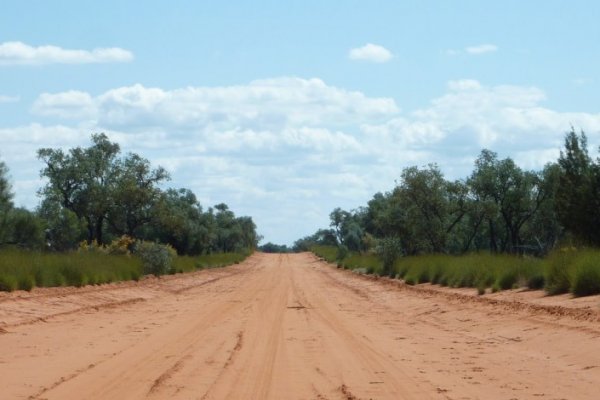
x: 290, y: 327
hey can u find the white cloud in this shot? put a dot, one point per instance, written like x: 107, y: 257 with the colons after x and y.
x: 473, y: 50
x: 8, y: 99
x: 262, y: 104
x: 481, y: 49
x: 370, y: 52
x: 19, y: 53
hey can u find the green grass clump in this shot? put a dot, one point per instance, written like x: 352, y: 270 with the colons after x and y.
x: 575, y: 271
x: 557, y: 272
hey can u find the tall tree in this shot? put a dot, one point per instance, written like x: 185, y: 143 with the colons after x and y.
x: 578, y: 190
x: 82, y: 180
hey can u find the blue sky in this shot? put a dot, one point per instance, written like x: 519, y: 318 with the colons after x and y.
x: 261, y: 105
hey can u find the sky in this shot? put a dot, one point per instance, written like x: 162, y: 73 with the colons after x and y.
x: 286, y: 110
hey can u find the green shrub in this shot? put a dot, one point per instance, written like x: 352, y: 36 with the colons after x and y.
x: 389, y: 250
x: 156, y: 258
x: 342, y: 252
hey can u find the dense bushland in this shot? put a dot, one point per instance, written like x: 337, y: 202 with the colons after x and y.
x: 96, y: 194
x: 500, y: 210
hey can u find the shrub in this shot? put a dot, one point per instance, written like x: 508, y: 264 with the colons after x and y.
x: 157, y: 258
x: 389, y: 250
x: 342, y: 252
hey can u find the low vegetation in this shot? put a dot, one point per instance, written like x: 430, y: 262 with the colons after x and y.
x: 94, y: 264
x: 563, y: 271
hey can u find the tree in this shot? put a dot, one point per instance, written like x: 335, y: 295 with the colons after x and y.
x: 63, y: 229
x: 578, y: 190
x: 511, y: 197
x: 135, y: 194
x: 82, y: 181
x: 5, y: 201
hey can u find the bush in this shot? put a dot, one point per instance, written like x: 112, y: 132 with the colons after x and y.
x: 342, y: 252
x: 389, y: 250
x: 157, y: 258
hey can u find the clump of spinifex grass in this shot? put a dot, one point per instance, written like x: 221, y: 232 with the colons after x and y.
x: 575, y: 271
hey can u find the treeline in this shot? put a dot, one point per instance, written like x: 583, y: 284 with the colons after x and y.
x: 96, y: 194
x: 499, y: 207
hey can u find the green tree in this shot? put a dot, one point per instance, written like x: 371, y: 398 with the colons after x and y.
x: 81, y: 181
x: 577, y: 202
x: 511, y: 197
x: 134, y: 194
x: 6, y: 204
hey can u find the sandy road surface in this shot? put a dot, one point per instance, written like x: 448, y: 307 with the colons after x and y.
x: 290, y: 327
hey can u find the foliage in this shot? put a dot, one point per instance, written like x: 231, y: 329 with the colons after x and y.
x: 274, y: 248
x: 389, y: 250
x: 157, y: 259
x: 28, y: 269
x: 97, y: 194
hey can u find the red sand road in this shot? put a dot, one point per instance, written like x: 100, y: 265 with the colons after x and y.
x: 293, y: 327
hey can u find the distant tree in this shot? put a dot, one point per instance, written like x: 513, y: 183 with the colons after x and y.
x: 274, y: 248
x: 6, y: 204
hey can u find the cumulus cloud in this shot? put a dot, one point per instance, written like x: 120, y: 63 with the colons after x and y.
x: 19, y: 53
x: 269, y: 103
x: 370, y: 52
